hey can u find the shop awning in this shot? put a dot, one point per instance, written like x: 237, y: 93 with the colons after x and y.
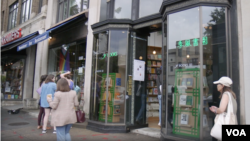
x: 18, y: 42
x: 45, y: 35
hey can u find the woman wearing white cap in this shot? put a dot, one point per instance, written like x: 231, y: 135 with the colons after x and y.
x: 224, y: 87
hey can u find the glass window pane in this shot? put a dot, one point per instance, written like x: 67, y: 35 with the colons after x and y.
x: 183, y: 80
x: 117, y: 73
x: 98, y: 78
x: 149, y: 7
x: 122, y: 9
x: 103, y: 10
x: 12, y: 78
x: 65, y: 10
x: 60, y: 14
x: 27, y: 13
x: 85, y: 5
x: 214, y: 60
x: 74, y: 7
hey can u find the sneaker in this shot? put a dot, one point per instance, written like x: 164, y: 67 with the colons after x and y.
x: 44, y: 131
x: 54, y: 131
x: 159, y: 124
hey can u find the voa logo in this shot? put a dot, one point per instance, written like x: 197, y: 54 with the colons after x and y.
x: 236, y: 132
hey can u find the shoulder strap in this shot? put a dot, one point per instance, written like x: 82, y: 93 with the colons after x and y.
x: 230, y: 104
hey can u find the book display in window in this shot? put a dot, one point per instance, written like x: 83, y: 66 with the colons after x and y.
x: 114, y: 85
x: 186, y: 102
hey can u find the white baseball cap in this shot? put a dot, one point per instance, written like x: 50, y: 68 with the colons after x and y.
x: 226, y: 81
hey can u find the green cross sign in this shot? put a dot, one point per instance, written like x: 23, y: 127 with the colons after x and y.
x: 195, y: 42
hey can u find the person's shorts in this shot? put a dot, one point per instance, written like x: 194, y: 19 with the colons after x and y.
x: 47, y: 107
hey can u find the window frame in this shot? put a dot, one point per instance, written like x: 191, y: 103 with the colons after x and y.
x: 11, y: 11
x: 25, y: 2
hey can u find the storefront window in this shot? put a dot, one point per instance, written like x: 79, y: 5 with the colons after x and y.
x: 108, y: 77
x: 69, y: 57
x: 183, y: 81
x: 214, y: 60
x: 99, y: 73
x: 187, y: 84
x: 12, y: 78
x: 149, y: 7
x: 122, y: 9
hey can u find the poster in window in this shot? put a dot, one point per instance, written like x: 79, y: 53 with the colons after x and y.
x: 139, y: 70
x: 184, y: 119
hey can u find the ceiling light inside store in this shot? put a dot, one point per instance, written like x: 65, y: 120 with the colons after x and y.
x: 188, y: 56
x: 50, y: 37
x: 140, y: 57
x: 154, y: 52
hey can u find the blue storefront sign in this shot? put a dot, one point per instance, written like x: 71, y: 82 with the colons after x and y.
x: 33, y: 41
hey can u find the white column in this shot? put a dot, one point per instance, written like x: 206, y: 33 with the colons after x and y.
x: 93, y: 17
x: 244, y: 41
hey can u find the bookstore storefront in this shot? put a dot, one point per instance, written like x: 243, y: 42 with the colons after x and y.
x: 196, y: 55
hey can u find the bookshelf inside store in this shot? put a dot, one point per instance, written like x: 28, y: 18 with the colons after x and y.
x: 153, y: 63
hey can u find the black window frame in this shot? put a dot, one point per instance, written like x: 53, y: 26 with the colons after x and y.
x: 67, y: 10
x: 25, y: 2
x: 11, y: 11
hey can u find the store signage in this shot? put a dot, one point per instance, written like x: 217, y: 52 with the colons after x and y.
x: 112, y: 54
x: 12, y: 36
x: 33, y: 41
x: 191, y: 42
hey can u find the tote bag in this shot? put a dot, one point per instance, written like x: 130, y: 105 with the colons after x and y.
x: 228, y: 118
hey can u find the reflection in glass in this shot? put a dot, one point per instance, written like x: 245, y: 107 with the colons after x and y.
x: 122, y: 9
x: 25, y: 13
x: 183, y: 74
x: 103, y: 10
x: 117, y: 72
x: 69, y: 57
x: 74, y: 7
x: 99, y: 73
x: 149, y: 7
x: 214, y: 58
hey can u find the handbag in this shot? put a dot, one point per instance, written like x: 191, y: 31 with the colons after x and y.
x: 80, y: 116
x: 224, y: 118
x: 39, y: 90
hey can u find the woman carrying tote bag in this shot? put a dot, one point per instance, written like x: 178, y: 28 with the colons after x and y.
x: 226, y: 113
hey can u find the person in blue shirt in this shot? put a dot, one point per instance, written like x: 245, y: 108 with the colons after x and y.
x: 48, y: 88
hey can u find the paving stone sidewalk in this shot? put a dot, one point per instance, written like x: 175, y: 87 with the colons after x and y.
x: 22, y: 126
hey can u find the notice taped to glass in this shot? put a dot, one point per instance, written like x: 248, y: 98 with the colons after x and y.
x: 139, y: 70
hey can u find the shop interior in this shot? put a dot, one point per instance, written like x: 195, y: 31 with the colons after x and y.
x: 153, y: 61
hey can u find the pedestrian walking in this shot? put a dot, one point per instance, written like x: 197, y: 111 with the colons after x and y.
x: 227, y: 97
x: 48, y: 88
x: 63, y: 105
x: 41, y: 112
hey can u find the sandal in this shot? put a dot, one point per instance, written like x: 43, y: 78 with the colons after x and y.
x: 39, y: 127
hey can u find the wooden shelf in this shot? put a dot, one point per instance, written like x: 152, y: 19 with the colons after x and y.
x: 153, y: 66
x: 154, y: 59
x: 152, y: 95
x: 151, y: 87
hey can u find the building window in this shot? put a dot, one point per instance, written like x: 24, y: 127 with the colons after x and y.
x: 122, y: 9
x: 149, y: 7
x: 40, y: 6
x: 25, y: 13
x: 13, y: 15
x: 2, y: 20
x: 68, y: 8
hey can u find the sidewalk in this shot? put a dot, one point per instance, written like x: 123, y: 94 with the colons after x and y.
x: 35, y: 113
x: 22, y: 126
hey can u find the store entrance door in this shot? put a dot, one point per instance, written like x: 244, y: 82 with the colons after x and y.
x: 148, y: 46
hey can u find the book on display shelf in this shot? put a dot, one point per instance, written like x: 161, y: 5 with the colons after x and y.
x: 149, y: 63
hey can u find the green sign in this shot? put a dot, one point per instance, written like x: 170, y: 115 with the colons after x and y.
x: 192, y: 42
x: 112, y: 54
